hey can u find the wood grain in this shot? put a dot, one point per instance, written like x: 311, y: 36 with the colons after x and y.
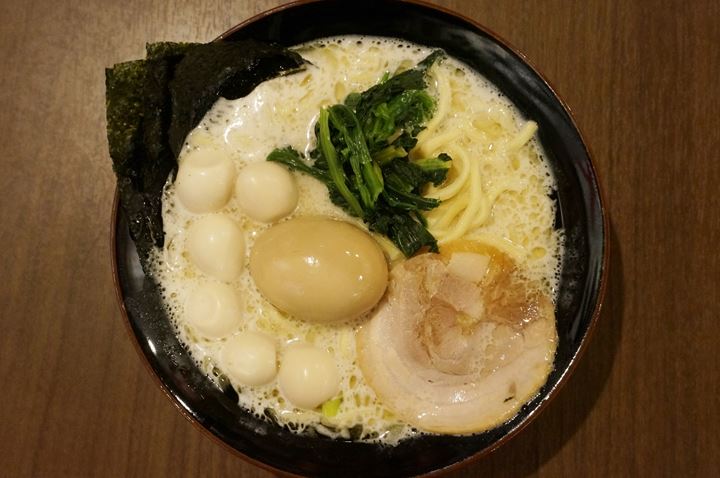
x: 642, y: 80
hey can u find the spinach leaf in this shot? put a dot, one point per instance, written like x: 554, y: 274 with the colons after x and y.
x: 362, y: 157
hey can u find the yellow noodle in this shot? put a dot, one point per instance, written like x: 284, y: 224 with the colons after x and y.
x: 449, y: 211
x: 429, y: 147
x: 444, y: 99
x: 462, y: 164
x: 478, y: 137
x: 525, y: 135
x: 391, y: 251
x: 484, y: 210
x: 502, y: 118
x: 488, y: 202
x: 514, y: 250
x: 463, y: 224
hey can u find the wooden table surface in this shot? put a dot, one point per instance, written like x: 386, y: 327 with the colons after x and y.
x: 642, y: 79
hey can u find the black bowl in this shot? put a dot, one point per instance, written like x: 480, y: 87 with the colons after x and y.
x: 580, y: 213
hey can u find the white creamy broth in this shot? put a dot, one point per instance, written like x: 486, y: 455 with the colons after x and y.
x: 282, y: 112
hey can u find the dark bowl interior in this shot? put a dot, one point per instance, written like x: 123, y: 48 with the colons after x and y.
x: 580, y: 213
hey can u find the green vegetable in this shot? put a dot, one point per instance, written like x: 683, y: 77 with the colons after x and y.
x: 367, y: 176
x: 362, y: 157
x: 153, y: 104
x: 293, y: 160
x: 388, y: 153
x: 327, y: 149
x: 434, y: 169
x: 405, y: 112
x: 331, y: 407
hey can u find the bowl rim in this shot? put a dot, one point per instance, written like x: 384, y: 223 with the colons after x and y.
x: 581, y: 348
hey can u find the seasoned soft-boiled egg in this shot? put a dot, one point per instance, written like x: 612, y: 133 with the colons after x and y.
x: 205, y: 180
x: 213, y: 310
x: 249, y: 358
x: 308, y: 375
x: 319, y: 269
x: 266, y: 191
x: 216, y: 246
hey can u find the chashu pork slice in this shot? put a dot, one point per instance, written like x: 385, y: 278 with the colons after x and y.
x: 449, y: 355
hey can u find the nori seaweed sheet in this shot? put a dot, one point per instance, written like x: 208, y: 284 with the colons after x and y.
x: 153, y: 104
x: 227, y: 69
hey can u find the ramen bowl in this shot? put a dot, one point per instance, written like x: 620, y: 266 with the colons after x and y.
x: 580, y: 214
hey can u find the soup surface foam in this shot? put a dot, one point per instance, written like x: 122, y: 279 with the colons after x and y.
x: 283, y: 112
